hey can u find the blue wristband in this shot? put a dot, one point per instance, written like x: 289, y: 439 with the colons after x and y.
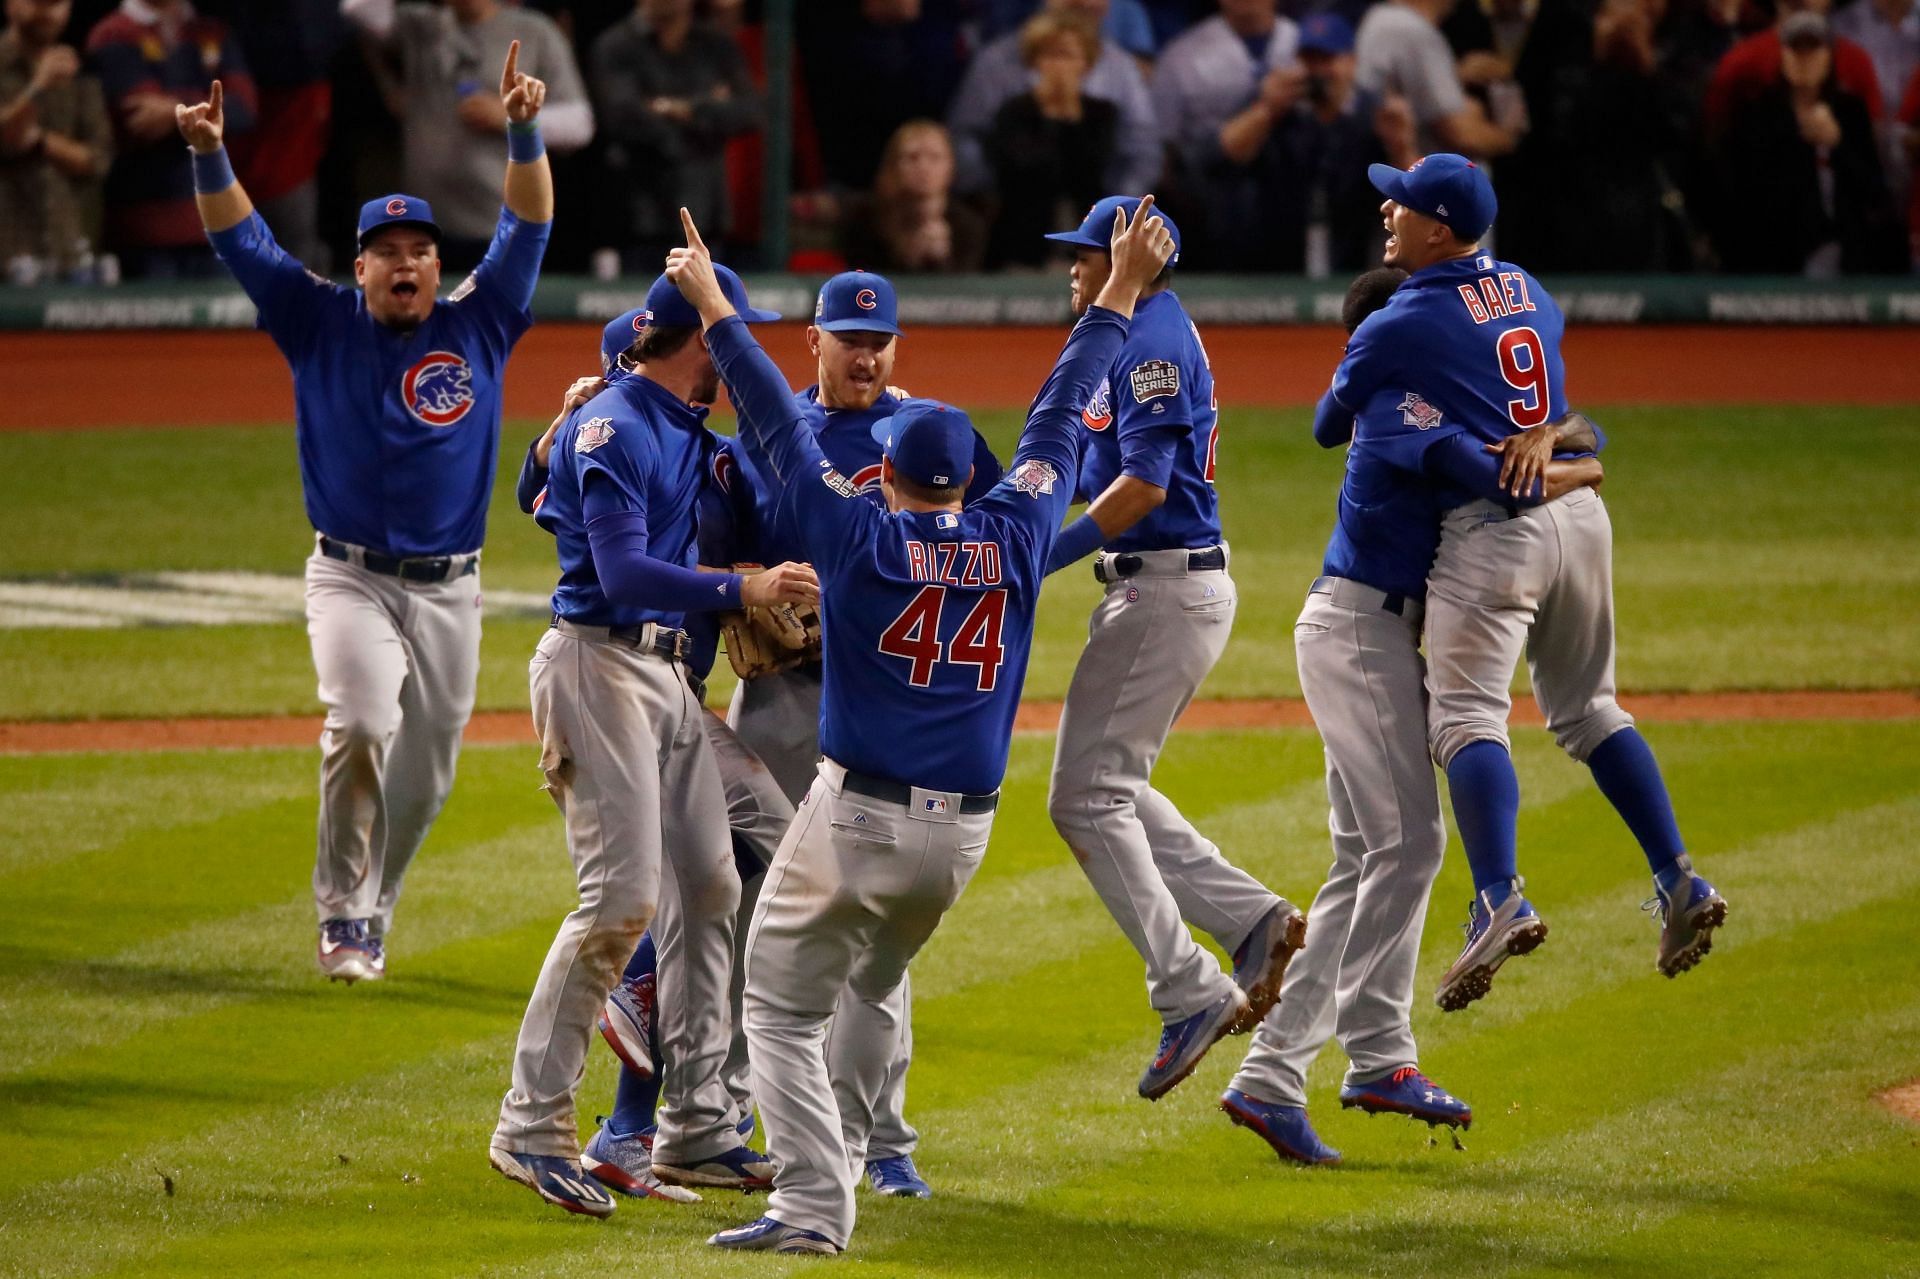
x: 524, y: 144
x: 212, y: 172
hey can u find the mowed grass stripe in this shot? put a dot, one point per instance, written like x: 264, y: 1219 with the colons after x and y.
x: 1056, y: 1182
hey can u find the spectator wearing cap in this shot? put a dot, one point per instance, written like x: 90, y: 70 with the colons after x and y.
x: 998, y: 74
x: 1289, y: 191
x: 1050, y: 146
x: 911, y: 223
x: 55, y: 142
x: 438, y: 67
x: 154, y: 55
x: 1400, y: 50
x: 1753, y: 65
x: 671, y: 93
x: 1801, y: 159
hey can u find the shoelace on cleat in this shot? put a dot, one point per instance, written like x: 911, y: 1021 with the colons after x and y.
x: 1656, y: 909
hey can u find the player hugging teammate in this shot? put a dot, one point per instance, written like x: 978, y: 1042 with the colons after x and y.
x: 752, y: 892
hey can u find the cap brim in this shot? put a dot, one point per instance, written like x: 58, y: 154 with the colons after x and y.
x: 1079, y: 238
x: 882, y: 432
x: 857, y: 326
x: 431, y: 228
x: 754, y: 315
x: 1388, y: 181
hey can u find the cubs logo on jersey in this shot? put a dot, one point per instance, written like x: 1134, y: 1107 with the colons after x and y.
x: 867, y: 479
x: 438, y: 389
x: 1098, y: 414
x: 1417, y: 413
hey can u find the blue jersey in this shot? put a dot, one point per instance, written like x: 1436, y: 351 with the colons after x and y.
x: 1155, y: 417
x: 1478, y: 339
x: 927, y: 617
x: 846, y: 438
x: 398, y: 431
x: 1388, y: 527
x: 654, y: 453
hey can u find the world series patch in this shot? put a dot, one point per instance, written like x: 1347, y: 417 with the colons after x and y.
x: 836, y: 481
x: 593, y: 432
x: 1154, y: 379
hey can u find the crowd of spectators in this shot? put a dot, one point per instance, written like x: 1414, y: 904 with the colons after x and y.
x: 1758, y: 136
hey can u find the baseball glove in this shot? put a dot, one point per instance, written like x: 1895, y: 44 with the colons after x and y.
x: 762, y: 638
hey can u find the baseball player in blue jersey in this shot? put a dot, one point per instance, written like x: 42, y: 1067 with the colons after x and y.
x: 397, y: 413
x: 620, y: 1154
x: 1147, y: 450
x: 854, y: 338
x: 1478, y: 342
x: 627, y: 759
x: 927, y: 617
x: 1358, y: 646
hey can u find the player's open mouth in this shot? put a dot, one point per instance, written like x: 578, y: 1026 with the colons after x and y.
x: 405, y: 289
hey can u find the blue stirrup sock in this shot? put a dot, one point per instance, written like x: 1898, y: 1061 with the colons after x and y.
x: 1628, y: 775
x: 635, y: 1098
x: 1486, y: 809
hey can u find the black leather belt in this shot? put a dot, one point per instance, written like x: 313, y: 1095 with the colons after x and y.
x: 418, y: 568
x: 900, y: 793
x: 1390, y: 601
x: 648, y: 637
x: 1126, y: 563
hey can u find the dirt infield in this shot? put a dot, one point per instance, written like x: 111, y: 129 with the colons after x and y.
x: 34, y: 737
x: 93, y: 380
x: 1903, y: 1100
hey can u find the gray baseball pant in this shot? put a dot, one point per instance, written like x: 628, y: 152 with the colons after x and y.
x: 397, y: 662
x: 624, y: 748
x: 1540, y: 582
x: 857, y: 888
x: 758, y: 815
x: 1361, y: 671
x: 778, y: 718
x: 1151, y: 641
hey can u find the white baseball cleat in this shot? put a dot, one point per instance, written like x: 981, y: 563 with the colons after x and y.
x: 346, y: 954
x: 1493, y: 934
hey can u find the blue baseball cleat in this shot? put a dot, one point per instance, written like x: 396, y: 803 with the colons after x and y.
x: 1688, y: 917
x: 1260, y: 962
x: 344, y: 952
x: 626, y: 1022
x: 625, y: 1164
x: 1494, y: 932
x: 1285, y: 1128
x: 896, y: 1176
x: 742, y: 1168
x: 768, y: 1235
x: 376, y: 958
x: 1184, y: 1043
x: 561, y: 1182
x: 1408, y: 1092
x: 747, y: 1127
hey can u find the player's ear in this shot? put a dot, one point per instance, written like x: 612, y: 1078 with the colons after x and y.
x: 813, y: 340
x: 360, y: 270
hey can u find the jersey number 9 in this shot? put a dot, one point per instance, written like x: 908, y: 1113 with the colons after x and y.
x: 915, y: 636
x: 1523, y: 362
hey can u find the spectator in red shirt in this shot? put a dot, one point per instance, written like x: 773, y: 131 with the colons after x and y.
x: 152, y: 55
x: 1753, y: 65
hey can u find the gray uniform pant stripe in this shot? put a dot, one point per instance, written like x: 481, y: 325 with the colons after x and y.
x: 1150, y: 643
x: 1361, y: 672
x: 778, y: 718
x: 1542, y: 583
x: 626, y: 757
x: 396, y: 662
x: 857, y: 888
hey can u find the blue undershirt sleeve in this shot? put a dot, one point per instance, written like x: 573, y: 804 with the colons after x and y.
x: 629, y: 576
x: 1332, y: 422
x: 533, y: 478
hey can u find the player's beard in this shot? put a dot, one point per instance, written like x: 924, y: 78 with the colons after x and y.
x: 707, y: 389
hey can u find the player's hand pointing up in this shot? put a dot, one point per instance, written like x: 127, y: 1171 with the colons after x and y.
x: 1139, y: 249
x: 521, y: 95
x: 691, y: 270
x: 203, y: 125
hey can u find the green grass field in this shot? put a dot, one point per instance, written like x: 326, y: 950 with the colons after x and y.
x: 1757, y: 548
x: 180, y: 1094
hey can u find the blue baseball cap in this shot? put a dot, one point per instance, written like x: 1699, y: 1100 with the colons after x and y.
x: 667, y: 308
x: 384, y: 211
x: 1096, y: 229
x: 622, y: 331
x: 930, y: 442
x: 1326, y: 33
x: 858, y: 302
x: 1449, y: 188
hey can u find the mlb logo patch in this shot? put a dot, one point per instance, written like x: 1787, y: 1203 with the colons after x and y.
x: 935, y: 803
x: 1417, y: 413
x: 946, y: 521
x: 593, y: 432
x: 1154, y: 379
